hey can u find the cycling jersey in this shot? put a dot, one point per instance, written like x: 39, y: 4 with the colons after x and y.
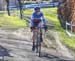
x: 35, y: 16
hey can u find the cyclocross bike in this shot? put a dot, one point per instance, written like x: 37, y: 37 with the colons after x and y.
x: 38, y: 39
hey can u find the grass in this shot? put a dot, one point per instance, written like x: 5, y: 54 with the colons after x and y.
x: 51, y: 16
x: 69, y: 41
x: 10, y: 21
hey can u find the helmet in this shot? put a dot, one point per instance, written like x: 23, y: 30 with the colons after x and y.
x: 37, y: 8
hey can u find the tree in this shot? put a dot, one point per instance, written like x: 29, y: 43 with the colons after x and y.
x: 7, y: 1
x: 66, y: 12
x: 21, y: 10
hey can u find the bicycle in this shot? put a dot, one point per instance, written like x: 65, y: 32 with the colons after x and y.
x: 38, y: 40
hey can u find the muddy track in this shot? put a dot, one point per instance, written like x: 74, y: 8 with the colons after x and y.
x: 16, y: 46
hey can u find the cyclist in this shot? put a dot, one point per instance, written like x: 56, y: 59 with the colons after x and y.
x: 36, y: 18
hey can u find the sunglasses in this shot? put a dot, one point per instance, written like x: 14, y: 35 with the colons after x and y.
x: 37, y: 10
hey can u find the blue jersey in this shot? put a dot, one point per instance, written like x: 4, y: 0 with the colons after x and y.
x: 35, y: 16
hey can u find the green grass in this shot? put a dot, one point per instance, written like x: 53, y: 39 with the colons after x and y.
x: 13, y: 22
x: 69, y: 41
x: 50, y: 15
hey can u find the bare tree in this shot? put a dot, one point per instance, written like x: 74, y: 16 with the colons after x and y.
x: 21, y: 10
x: 7, y: 1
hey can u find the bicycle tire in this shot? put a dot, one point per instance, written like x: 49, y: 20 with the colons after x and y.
x: 40, y: 44
x: 37, y: 44
x: 40, y: 41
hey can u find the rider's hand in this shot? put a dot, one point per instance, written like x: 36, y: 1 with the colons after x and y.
x: 45, y: 28
x: 31, y: 28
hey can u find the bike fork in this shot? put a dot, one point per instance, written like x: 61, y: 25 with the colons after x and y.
x: 40, y: 41
x: 40, y: 49
x: 37, y: 46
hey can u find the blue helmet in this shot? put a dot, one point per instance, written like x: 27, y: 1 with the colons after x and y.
x: 37, y: 8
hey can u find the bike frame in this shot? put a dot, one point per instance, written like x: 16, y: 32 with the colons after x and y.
x: 39, y: 39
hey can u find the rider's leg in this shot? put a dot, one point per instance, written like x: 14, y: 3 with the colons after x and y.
x: 33, y: 38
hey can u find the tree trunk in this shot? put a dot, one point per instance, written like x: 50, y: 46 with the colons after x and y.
x: 21, y: 11
x: 7, y: 1
x: 66, y: 12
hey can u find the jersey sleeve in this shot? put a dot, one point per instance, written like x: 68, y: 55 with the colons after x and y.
x: 31, y: 20
x: 44, y: 21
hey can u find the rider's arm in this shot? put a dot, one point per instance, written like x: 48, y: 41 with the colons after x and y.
x: 31, y: 21
x: 44, y: 21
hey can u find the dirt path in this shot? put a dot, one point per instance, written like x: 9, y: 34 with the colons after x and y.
x: 15, y: 45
